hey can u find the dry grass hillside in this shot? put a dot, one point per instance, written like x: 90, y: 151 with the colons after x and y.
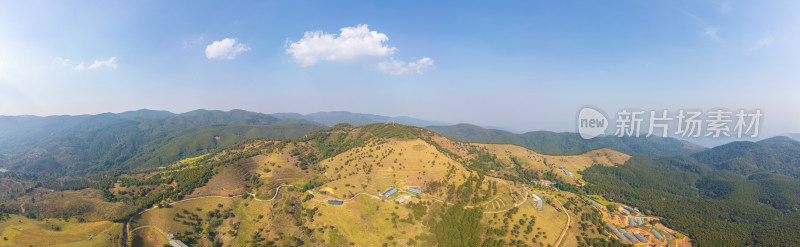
x: 355, y: 165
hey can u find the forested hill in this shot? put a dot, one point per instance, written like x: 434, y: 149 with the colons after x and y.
x: 738, y: 194
x: 75, y: 145
x: 779, y: 155
x: 336, y: 117
x: 565, y: 143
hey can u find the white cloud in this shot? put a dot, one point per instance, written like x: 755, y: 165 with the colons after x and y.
x: 352, y: 43
x: 193, y: 43
x: 395, y: 67
x: 61, y: 61
x: 225, y: 49
x: 110, y: 63
x: 764, y: 43
x: 356, y: 43
x: 712, y: 33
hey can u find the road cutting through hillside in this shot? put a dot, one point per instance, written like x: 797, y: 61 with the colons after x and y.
x: 127, y: 232
x: 569, y: 222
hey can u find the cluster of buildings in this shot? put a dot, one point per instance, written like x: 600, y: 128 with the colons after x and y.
x: 387, y: 193
x: 635, y: 221
x: 632, y: 232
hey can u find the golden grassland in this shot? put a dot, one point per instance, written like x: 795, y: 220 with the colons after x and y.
x: 366, y: 222
x: 21, y: 231
x: 165, y: 221
x: 86, y: 203
x: 574, y: 163
x: 372, y: 169
x: 393, y: 164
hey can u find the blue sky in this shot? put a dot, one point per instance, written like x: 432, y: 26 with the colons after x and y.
x: 521, y: 65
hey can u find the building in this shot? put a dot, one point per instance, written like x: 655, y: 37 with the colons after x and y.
x: 538, y: 200
x: 177, y: 243
x: 415, y: 190
x: 639, y: 237
x: 658, y: 235
x: 170, y: 236
x: 630, y: 221
x: 596, y: 204
x: 616, y: 232
x: 567, y: 172
x: 389, y: 192
x: 639, y: 220
x: 628, y: 235
x: 335, y: 202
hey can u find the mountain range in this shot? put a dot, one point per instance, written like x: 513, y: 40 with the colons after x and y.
x: 336, y: 117
x: 128, y: 170
x: 565, y: 142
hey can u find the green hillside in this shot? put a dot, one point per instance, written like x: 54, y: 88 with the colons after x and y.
x: 739, y: 194
x: 779, y: 155
x: 566, y: 143
x: 336, y: 117
x: 79, y: 145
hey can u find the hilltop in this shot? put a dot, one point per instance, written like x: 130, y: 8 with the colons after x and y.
x: 567, y: 143
x: 278, y: 190
x: 356, y: 164
x: 336, y: 117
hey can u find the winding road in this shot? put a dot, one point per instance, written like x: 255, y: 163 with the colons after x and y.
x: 127, y: 232
x: 569, y: 222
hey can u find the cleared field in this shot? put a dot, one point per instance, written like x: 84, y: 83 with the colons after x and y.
x: 148, y: 236
x: 545, y: 223
x: 164, y: 219
x: 393, y: 164
x: 530, y: 159
x: 86, y: 203
x: 230, y: 181
x: 366, y: 222
x: 21, y: 231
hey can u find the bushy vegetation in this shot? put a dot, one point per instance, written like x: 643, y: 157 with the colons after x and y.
x: 85, y: 145
x: 459, y: 227
x: 568, y: 143
x: 714, y: 207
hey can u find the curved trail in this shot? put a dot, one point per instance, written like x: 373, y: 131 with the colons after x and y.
x: 126, y: 227
x: 346, y: 200
x: 152, y: 227
x: 515, y: 205
x: 569, y: 222
x: 126, y: 232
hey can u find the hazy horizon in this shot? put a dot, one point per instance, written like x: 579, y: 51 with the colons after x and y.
x: 520, y: 66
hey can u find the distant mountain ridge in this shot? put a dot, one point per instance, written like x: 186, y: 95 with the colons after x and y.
x: 795, y: 136
x: 746, y: 191
x: 336, y: 117
x: 143, y: 138
x: 565, y: 143
x: 778, y: 154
